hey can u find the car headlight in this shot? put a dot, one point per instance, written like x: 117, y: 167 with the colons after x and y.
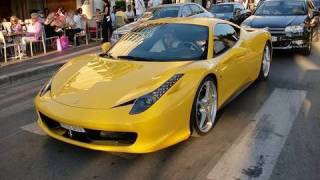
x: 145, y: 102
x: 294, y: 29
x: 45, y: 88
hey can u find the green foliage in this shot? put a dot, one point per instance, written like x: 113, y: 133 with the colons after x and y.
x: 121, y: 3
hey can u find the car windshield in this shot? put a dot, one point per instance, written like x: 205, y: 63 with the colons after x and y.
x: 161, y: 12
x: 162, y: 42
x: 284, y: 8
x: 222, y: 8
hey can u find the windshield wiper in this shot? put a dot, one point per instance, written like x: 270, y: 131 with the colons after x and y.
x: 107, y: 55
x: 135, y: 58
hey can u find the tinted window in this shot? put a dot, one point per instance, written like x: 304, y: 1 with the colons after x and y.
x: 222, y: 8
x: 163, y: 42
x: 196, y: 9
x: 276, y: 8
x: 186, y: 11
x: 239, y: 6
x: 225, y: 37
x: 163, y: 12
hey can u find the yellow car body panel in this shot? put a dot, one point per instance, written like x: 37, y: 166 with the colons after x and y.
x: 89, y: 91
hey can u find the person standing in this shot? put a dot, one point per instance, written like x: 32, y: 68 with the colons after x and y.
x: 140, y: 7
x: 107, y: 23
x: 121, y: 17
x: 130, y: 14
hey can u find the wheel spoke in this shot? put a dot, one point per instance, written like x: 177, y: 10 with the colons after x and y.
x: 203, y: 118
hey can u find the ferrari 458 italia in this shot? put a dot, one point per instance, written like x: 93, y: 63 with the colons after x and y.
x: 160, y: 83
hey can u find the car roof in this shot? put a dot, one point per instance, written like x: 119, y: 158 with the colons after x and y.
x: 188, y: 20
x: 173, y: 5
x: 287, y: 0
x: 231, y: 3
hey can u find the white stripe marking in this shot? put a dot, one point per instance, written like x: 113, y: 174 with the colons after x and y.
x: 255, y: 153
x: 33, y: 128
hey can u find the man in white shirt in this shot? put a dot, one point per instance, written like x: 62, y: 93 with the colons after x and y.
x: 140, y: 7
x: 130, y: 14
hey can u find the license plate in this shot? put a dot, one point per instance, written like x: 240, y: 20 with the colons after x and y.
x: 72, y: 128
x: 274, y: 39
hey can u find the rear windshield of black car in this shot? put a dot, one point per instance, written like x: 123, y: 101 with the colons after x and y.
x: 163, y: 12
x: 222, y: 8
x: 282, y: 8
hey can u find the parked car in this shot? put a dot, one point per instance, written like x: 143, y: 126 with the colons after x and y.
x: 233, y: 12
x: 291, y: 23
x: 163, y: 11
x: 163, y: 81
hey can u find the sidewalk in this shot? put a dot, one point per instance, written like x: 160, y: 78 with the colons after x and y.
x: 45, y: 63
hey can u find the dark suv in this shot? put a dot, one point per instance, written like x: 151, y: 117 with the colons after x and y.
x: 292, y: 24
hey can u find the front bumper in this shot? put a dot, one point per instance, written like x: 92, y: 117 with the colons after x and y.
x: 150, y: 131
x: 283, y: 42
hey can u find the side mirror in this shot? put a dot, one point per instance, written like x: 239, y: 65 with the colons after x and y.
x: 106, y: 46
x: 316, y: 13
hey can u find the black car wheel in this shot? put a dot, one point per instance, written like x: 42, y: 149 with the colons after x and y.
x: 307, y: 50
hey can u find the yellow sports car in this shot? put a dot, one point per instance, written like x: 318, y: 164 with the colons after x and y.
x: 160, y: 83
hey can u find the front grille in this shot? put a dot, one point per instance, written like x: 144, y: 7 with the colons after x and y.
x: 277, y: 31
x: 90, y: 135
x: 281, y: 44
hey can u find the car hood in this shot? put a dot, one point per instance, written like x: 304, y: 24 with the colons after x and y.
x: 274, y: 21
x: 223, y: 15
x: 99, y: 83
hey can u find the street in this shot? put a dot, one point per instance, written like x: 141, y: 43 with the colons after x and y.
x: 27, y: 153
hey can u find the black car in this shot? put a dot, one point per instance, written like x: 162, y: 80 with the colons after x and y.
x: 292, y: 24
x: 234, y: 12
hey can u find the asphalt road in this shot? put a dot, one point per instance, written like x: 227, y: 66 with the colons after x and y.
x: 26, y: 153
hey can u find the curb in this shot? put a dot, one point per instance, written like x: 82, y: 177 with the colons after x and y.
x: 12, y: 77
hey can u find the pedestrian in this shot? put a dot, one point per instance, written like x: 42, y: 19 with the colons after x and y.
x: 107, y: 23
x: 130, y: 14
x: 121, y: 17
x: 140, y: 7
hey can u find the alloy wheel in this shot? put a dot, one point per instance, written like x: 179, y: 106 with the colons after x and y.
x: 206, y: 107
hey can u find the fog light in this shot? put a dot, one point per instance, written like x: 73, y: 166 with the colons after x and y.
x: 298, y: 42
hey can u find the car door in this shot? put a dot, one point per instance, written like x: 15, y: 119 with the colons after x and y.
x: 233, y: 65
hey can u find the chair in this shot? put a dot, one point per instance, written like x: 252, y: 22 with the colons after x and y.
x: 6, y: 26
x: 4, y: 45
x: 95, y: 27
x: 49, y: 38
x: 83, y: 33
x: 41, y: 40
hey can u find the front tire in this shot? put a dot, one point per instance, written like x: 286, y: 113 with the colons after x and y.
x: 307, y: 51
x: 265, y: 63
x: 204, y: 108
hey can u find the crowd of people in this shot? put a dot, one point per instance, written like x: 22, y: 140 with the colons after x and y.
x: 54, y: 24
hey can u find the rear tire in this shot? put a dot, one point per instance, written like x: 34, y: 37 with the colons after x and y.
x: 265, y: 63
x: 204, y: 108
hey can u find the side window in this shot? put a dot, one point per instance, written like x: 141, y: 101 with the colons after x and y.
x: 242, y: 8
x: 186, y: 11
x: 196, y: 9
x: 225, y: 37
